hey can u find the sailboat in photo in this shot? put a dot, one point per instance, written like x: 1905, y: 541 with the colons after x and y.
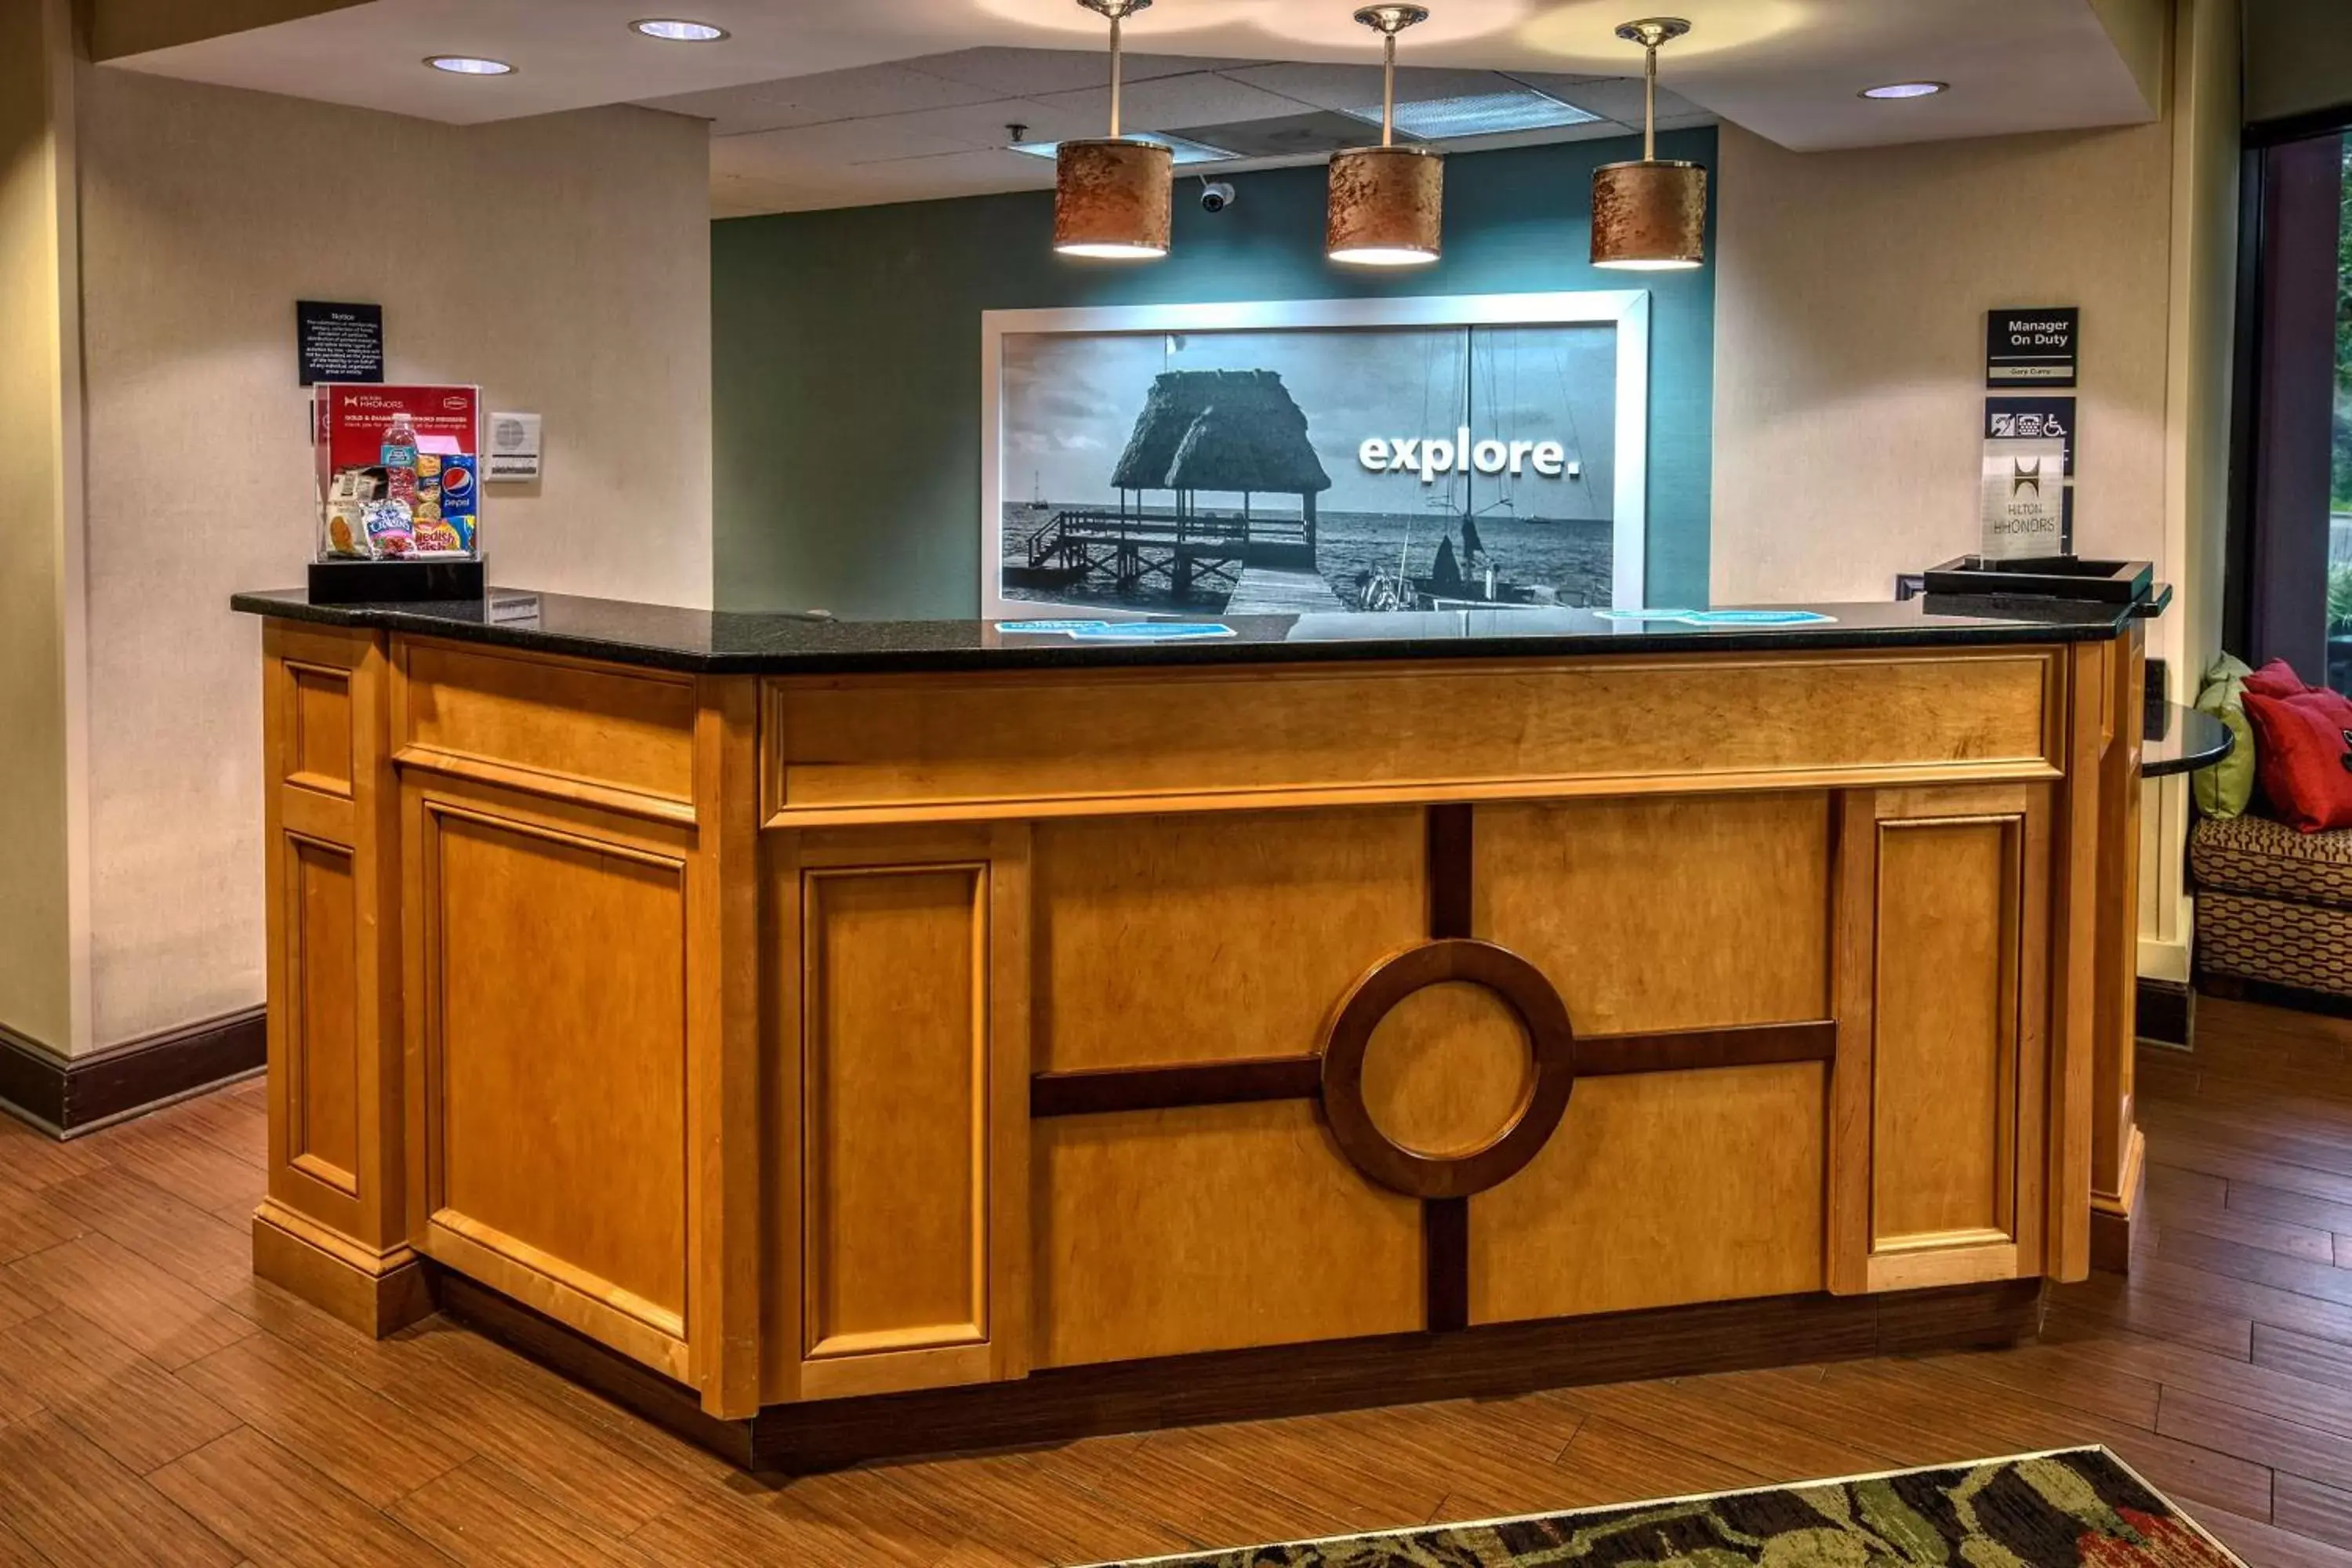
x: 1463, y: 574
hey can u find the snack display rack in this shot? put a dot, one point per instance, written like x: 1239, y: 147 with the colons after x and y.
x: 400, y: 493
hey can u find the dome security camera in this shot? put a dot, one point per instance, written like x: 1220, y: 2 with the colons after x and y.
x: 1216, y: 196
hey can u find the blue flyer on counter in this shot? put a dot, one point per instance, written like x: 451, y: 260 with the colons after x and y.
x: 1722, y: 617
x: 1757, y: 617
x: 1050, y: 628
x: 1153, y: 631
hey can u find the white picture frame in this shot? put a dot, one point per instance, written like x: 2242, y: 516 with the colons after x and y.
x: 1627, y: 309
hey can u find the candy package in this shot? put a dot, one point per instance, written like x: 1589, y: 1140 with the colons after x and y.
x: 390, y: 528
x: 344, y: 531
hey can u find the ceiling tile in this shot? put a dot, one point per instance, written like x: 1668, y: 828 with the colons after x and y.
x: 1201, y: 99
x: 1022, y: 73
x: 1614, y: 98
x: 1359, y: 86
x: 983, y: 124
x: 813, y: 99
x: 846, y: 143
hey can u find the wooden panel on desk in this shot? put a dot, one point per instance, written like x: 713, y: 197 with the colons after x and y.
x: 321, y: 1022
x: 1095, y: 741
x: 1447, y: 1070
x: 1149, y: 928
x: 612, y: 736
x: 337, y: 1227
x: 894, y: 1110
x: 896, y: 1247
x: 319, y: 728
x: 2114, y: 1161
x: 553, y: 1018
x: 1944, y: 1080
x: 1665, y: 913
x: 1660, y: 1188
x: 1160, y: 1232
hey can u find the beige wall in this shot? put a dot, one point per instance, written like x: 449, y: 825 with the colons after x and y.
x: 2206, y: 104
x: 36, y: 994
x: 2142, y: 31
x: 1851, y: 291
x: 563, y: 262
x: 2298, y: 57
x: 1850, y: 297
x: 119, y: 27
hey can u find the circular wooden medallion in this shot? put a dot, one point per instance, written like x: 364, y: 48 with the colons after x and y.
x: 1550, y: 1039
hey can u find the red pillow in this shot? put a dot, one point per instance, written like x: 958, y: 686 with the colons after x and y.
x: 2276, y: 678
x: 2303, y: 751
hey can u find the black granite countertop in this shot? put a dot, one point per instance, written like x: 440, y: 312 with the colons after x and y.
x: 741, y: 642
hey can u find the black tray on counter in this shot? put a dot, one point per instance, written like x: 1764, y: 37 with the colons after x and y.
x: 2043, y: 577
x: 394, y: 582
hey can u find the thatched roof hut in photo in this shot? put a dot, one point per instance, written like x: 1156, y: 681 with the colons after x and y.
x: 1229, y: 430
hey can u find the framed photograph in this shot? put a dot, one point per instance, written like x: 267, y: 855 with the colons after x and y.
x: 1317, y: 455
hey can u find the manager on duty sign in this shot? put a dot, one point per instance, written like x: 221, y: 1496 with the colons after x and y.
x: 2032, y: 346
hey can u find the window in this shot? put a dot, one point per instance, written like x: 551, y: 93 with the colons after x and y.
x: 2290, y: 594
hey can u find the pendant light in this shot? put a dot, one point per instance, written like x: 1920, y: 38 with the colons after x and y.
x: 1650, y: 215
x: 1112, y: 195
x: 1387, y: 206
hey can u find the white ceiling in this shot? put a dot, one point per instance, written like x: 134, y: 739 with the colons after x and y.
x: 832, y: 102
x: 938, y: 126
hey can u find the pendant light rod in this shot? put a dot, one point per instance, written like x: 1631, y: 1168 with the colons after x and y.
x: 1650, y: 32
x: 1116, y: 12
x: 1649, y: 96
x: 1388, y: 90
x: 1115, y: 22
x: 1389, y: 21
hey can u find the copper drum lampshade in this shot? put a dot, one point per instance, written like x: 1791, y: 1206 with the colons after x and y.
x: 1387, y: 203
x: 1387, y: 206
x: 1112, y: 194
x: 1650, y: 215
x: 1111, y: 197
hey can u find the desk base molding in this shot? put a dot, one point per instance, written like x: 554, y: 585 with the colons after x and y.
x: 1484, y: 1363
x: 378, y: 1294
x: 2111, y: 1218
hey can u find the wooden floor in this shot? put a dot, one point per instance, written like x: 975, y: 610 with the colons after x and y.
x: 157, y: 1405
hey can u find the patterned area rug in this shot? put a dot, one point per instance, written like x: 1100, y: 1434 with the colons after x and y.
x: 2078, y: 1507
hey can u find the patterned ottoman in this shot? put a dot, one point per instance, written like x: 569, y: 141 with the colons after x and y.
x: 2274, y: 905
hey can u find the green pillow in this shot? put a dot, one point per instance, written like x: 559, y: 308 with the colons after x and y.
x: 2223, y: 789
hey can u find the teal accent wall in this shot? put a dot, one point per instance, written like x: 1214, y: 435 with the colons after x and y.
x: 845, y: 359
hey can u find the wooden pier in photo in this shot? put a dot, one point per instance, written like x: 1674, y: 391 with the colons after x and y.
x: 1185, y: 551
x: 1270, y: 591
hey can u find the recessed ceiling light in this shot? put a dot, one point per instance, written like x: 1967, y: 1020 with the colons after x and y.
x: 1907, y: 90
x: 469, y: 64
x: 673, y: 31
x: 1479, y: 114
x: 1185, y: 152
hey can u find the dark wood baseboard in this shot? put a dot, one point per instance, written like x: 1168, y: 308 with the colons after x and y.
x: 2163, y: 1011
x: 1068, y: 1403
x: 2230, y: 988
x: 64, y: 1096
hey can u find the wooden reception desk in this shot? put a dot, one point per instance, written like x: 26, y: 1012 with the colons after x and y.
x: 908, y: 1037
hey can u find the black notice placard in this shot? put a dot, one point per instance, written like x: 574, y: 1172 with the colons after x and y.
x: 337, y: 342
x: 2032, y: 346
